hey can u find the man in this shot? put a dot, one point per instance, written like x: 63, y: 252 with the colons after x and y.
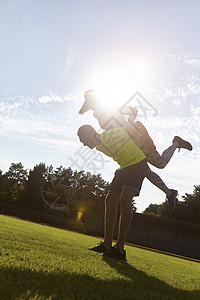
x: 140, y: 136
x: 126, y: 184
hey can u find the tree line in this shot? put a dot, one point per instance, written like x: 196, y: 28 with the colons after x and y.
x: 187, y: 210
x: 43, y: 186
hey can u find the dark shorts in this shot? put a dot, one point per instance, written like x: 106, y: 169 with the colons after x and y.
x: 130, y: 177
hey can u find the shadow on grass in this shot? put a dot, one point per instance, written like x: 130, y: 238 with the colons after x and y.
x: 152, y: 287
x: 29, y: 284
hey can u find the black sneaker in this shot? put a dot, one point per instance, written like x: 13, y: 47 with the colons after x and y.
x: 114, y: 252
x: 172, y: 200
x: 100, y: 248
x: 182, y: 143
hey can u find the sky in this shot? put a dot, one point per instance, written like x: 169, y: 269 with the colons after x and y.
x: 51, y: 52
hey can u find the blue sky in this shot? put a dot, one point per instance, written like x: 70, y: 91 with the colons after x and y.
x: 52, y: 51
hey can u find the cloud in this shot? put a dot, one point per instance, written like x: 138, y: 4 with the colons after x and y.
x: 16, y: 101
x: 55, y: 143
x: 6, y: 107
x: 52, y: 98
x: 56, y: 98
x: 179, y: 80
x: 193, y: 62
x: 33, y: 116
x: 195, y: 110
x: 193, y: 88
x: 191, y: 59
x: 68, y: 60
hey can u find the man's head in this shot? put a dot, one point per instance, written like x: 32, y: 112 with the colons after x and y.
x: 88, y: 136
x: 90, y: 102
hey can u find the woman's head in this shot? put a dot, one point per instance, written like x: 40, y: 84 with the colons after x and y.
x: 91, y: 101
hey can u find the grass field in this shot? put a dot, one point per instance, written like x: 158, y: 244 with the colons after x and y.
x: 40, y: 262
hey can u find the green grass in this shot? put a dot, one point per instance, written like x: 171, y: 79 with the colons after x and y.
x: 40, y: 262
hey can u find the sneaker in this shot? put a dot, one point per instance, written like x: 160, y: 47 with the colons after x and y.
x: 100, y: 248
x: 114, y: 252
x: 182, y: 143
x: 172, y: 200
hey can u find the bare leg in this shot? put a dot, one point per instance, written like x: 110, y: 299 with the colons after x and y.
x: 111, y: 201
x: 126, y: 215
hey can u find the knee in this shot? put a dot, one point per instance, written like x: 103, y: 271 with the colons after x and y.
x: 111, y: 200
x: 161, y: 165
x: 125, y: 203
x: 126, y: 207
x: 156, y: 162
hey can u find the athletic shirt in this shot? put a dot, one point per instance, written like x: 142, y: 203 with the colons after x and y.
x: 117, y: 144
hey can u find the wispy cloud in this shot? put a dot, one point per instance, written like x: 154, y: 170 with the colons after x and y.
x: 56, y: 98
x: 192, y: 59
x: 179, y: 79
x: 195, y: 110
x: 68, y: 60
x: 7, y: 107
x: 42, y: 116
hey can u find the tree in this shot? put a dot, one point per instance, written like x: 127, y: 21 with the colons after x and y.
x: 64, y: 185
x: 3, y: 189
x: 45, y: 186
x: 152, y: 209
x: 187, y: 210
x: 33, y: 188
x: 12, y: 183
x: 17, y: 173
x: 90, y: 188
x: 56, y: 189
x: 63, y: 176
x: 192, y: 206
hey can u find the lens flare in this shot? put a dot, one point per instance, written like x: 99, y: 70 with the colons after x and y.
x: 79, y: 215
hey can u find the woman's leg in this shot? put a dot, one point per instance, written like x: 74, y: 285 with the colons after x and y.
x: 170, y: 193
x: 157, y: 181
x: 160, y: 161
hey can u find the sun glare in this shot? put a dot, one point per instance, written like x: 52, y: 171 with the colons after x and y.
x: 116, y: 79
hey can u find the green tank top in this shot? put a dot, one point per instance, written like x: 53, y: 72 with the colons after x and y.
x: 117, y: 144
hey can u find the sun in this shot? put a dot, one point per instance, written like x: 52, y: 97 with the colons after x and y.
x: 117, y: 77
